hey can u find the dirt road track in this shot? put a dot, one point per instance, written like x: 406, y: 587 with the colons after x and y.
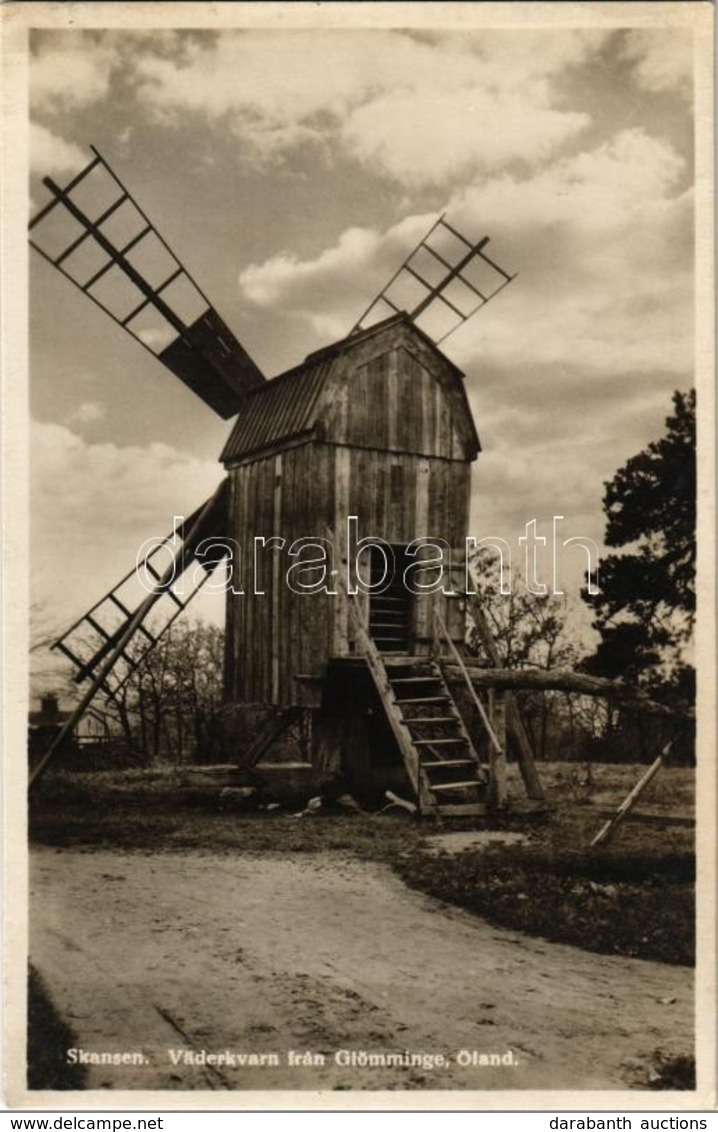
x: 199, y: 952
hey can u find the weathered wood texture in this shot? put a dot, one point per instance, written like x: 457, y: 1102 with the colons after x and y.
x: 565, y: 680
x: 390, y: 441
x: 606, y: 831
x: 387, y: 388
x: 514, y: 723
x: 498, y: 787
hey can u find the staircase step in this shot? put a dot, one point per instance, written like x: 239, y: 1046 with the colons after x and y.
x: 428, y: 718
x: 436, y: 742
x: 441, y: 786
x: 424, y: 700
x: 448, y: 762
x: 414, y: 679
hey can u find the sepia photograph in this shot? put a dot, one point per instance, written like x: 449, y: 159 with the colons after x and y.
x: 359, y: 510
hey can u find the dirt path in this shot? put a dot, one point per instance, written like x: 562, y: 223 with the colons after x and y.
x: 163, y: 956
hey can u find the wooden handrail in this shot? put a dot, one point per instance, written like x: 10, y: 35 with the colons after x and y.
x: 383, y: 687
x: 482, y: 710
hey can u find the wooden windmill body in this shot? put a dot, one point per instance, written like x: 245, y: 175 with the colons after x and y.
x: 371, y: 438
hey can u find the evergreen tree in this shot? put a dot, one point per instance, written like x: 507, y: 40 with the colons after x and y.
x: 645, y: 609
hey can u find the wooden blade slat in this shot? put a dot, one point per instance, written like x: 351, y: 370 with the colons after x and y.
x: 205, y: 354
x: 435, y: 292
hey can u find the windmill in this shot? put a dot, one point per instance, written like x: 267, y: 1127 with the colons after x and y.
x: 375, y: 427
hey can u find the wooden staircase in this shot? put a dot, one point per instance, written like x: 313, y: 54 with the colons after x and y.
x: 441, y: 761
x: 438, y: 753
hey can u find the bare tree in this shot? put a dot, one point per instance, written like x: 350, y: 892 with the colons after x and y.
x: 532, y: 631
x: 167, y: 707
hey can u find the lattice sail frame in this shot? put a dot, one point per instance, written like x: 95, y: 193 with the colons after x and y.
x: 463, y: 280
x: 95, y: 233
x: 91, y: 639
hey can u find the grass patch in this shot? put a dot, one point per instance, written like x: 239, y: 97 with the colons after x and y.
x: 126, y: 812
x: 48, y: 1040
x: 633, y: 906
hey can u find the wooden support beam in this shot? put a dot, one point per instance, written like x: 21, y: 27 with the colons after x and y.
x: 524, y: 752
x: 393, y: 714
x: 515, y: 724
x: 273, y: 729
x: 497, y: 756
x: 606, y: 831
x: 566, y: 680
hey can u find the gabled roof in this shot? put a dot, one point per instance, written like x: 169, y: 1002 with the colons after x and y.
x: 289, y: 406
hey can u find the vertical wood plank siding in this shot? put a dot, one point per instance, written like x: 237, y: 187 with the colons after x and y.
x: 389, y: 447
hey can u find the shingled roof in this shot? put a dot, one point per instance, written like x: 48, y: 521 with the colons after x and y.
x: 283, y: 408
x: 288, y: 406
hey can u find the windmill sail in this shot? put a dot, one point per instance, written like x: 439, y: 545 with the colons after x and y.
x: 97, y: 236
x: 441, y: 283
x: 201, y: 542
x: 196, y: 548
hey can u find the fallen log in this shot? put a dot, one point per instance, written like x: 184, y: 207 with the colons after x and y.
x: 564, y: 680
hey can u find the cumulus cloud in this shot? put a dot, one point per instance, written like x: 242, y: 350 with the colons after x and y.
x: 415, y: 111
x: 52, y: 154
x: 604, y: 247
x: 461, y: 129
x: 601, y: 241
x: 71, y: 70
x: 572, y: 366
x: 331, y: 290
x: 93, y: 505
x: 86, y: 413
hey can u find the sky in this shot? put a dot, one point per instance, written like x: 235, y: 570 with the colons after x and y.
x: 292, y: 172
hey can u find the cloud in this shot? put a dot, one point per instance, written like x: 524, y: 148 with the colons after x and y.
x: 572, y: 366
x: 604, y: 247
x: 50, y: 153
x: 415, y: 111
x: 69, y: 71
x: 331, y: 290
x: 93, y: 505
x: 461, y: 130
x: 662, y: 61
x: 86, y: 413
x: 602, y: 244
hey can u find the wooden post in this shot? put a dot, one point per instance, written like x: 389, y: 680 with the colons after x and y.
x: 607, y: 831
x: 515, y: 724
x: 497, y: 758
x: 524, y: 751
